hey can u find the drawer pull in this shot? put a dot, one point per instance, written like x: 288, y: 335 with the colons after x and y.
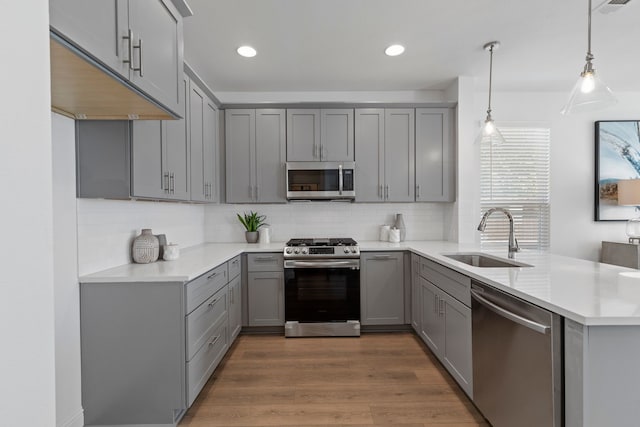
x: 234, y: 262
x: 212, y: 303
x: 382, y: 257
x: 213, y: 341
x: 213, y: 275
x: 264, y: 258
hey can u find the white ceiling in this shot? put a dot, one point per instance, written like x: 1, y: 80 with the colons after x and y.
x: 338, y: 45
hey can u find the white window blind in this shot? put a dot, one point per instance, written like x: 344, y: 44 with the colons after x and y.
x: 516, y: 175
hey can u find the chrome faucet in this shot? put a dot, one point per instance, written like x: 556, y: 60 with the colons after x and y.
x: 513, y: 242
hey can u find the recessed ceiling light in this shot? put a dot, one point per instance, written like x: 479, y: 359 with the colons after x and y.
x: 394, y: 50
x: 246, y: 51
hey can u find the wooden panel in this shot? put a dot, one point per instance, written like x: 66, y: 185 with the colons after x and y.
x: 82, y: 90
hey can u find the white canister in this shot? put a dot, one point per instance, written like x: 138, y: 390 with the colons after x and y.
x: 171, y: 252
x: 264, y: 234
x: 384, y: 233
x: 394, y: 235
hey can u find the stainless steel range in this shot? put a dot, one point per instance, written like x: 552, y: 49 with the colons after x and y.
x: 322, y: 287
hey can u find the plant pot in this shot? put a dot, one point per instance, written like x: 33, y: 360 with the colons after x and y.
x: 251, y: 236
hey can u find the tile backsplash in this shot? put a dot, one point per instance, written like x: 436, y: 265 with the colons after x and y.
x: 106, y: 228
x: 424, y: 221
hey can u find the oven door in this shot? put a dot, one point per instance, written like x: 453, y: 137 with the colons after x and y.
x: 322, y: 290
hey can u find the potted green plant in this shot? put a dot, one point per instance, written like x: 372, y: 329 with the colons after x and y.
x: 251, y: 222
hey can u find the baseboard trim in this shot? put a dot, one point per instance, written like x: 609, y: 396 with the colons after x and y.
x: 76, y: 420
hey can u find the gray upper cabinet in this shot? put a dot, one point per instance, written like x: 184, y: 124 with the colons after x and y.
x: 160, y: 156
x: 435, y: 157
x: 139, y: 39
x: 320, y: 135
x: 385, y: 142
x: 382, y: 288
x: 94, y: 26
x: 203, y: 125
x: 255, y: 142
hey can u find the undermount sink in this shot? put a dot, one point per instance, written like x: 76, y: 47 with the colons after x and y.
x: 478, y: 259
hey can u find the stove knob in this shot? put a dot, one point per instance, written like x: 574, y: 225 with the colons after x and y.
x: 296, y: 251
x: 305, y: 251
x: 346, y: 250
x: 288, y: 250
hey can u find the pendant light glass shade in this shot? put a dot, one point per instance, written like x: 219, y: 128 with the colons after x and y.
x: 489, y: 132
x: 589, y: 93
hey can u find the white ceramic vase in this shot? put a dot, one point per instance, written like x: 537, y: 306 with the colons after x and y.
x: 400, y: 226
x: 145, y: 248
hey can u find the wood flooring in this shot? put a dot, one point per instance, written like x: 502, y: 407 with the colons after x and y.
x: 387, y: 379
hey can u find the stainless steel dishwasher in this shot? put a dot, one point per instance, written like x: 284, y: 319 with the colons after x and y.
x: 517, y: 360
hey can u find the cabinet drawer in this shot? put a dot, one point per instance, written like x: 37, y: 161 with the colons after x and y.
x: 234, y: 267
x: 201, y: 321
x: 205, y: 361
x: 265, y: 262
x: 455, y: 284
x: 203, y: 287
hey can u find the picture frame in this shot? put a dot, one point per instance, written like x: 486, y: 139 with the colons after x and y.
x: 617, y: 156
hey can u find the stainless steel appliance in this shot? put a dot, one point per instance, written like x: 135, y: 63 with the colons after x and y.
x: 517, y: 360
x: 320, y: 180
x: 322, y: 287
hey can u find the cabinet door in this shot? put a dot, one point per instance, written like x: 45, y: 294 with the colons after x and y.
x: 416, y: 294
x: 196, y: 139
x: 97, y: 27
x: 270, y: 156
x: 148, y: 178
x: 369, y: 143
x: 431, y: 328
x: 399, y: 154
x: 382, y: 288
x: 240, y: 140
x: 303, y: 135
x: 158, y: 50
x: 456, y: 349
x: 336, y: 135
x: 176, y: 142
x: 210, y: 152
x: 434, y: 156
x: 265, y: 298
x: 235, y: 308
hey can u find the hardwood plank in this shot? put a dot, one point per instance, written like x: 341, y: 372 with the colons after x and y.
x: 375, y: 380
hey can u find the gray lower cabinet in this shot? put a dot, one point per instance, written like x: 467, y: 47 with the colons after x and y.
x: 255, y: 142
x: 435, y: 157
x: 385, y: 142
x: 382, y: 288
x: 265, y: 289
x: 445, y: 321
x: 203, y: 139
x: 141, y: 40
x: 320, y: 135
x: 148, y: 348
x: 160, y: 156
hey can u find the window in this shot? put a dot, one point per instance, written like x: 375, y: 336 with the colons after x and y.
x: 516, y: 175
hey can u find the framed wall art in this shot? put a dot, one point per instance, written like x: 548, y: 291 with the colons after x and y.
x: 617, y: 158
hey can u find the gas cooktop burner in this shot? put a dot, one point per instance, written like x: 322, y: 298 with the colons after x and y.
x: 346, y: 241
x: 322, y: 248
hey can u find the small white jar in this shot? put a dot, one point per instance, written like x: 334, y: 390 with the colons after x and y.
x: 171, y: 252
x: 394, y: 235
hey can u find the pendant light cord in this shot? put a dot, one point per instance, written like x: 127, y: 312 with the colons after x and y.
x: 589, y: 54
x: 491, y: 76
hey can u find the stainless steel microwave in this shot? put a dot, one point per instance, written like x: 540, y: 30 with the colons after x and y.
x: 320, y: 180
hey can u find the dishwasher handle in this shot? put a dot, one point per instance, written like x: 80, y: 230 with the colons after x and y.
x: 535, y: 326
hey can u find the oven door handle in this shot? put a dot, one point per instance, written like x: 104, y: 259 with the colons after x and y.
x: 340, y: 179
x: 352, y: 264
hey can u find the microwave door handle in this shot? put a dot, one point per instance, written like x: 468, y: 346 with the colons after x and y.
x: 340, y: 179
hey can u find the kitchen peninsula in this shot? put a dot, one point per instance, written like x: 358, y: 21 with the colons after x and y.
x: 600, y: 305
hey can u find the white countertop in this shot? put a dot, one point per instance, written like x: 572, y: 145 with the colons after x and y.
x: 588, y: 292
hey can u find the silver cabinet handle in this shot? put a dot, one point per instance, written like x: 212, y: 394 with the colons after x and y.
x: 129, y: 38
x: 214, y: 274
x: 207, y: 192
x: 172, y: 180
x: 441, y: 304
x: 166, y: 182
x: 264, y: 258
x: 381, y: 257
x: 212, y: 303
x: 535, y: 326
x: 380, y: 192
x: 435, y: 303
x: 139, y: 47
x: 417, y: 191
x: 386, y: 195
x: 213, y: 341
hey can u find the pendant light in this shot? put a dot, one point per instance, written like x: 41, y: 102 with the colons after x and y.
x: 589, y: 93
x: 490, y: 132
